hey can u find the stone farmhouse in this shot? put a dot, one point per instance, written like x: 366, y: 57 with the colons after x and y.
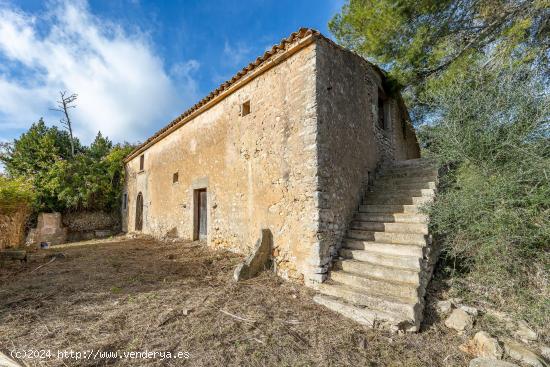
x: 293, y: 143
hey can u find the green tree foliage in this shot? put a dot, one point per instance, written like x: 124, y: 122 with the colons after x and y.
x: 91, y: 180
x: 417, y: 39
x: 33, y: 156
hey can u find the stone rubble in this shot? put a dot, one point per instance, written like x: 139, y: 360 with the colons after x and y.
x: 487, y: 346
x: 459, y: 320
x: 522, y: 354
x: 444, y: 307
x: 524, y: 332
x: 488, y: 362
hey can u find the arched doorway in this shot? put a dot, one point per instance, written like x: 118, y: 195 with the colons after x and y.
x: 139, y: 212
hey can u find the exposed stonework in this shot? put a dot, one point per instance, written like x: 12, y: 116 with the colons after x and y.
x: 258, y: 260
x: 12, y: 226
x: 48, y: 229
x: 296, y: 164
x: 387, y: 256
x: 88, y: 225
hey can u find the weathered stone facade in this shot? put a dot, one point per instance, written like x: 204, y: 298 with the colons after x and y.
x: 351, y: 145
x: 294, y: 165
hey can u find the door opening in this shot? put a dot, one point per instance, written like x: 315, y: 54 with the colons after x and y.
x: 139, y: 212
x: 201, y: 210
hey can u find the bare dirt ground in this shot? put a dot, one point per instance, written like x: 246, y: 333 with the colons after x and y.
x: 143, y: 295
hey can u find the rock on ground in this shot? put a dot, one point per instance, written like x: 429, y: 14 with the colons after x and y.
x: 525, y: 333
x: 444, y: 307
x: 487, y: 346
x: 488, y: 362
x: 459, y: 320
x: 469, y: 310
x: 6, y: 361
x: 522, y: 354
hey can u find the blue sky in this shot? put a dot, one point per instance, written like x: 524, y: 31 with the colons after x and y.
x: 135, y: 64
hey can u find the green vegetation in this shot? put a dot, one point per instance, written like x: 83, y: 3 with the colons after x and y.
x: 493, y: 212
x: 42, y: 159
x: 14, y: 194
x: 475, y: 76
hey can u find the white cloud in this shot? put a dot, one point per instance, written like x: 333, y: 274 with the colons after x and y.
x: 122, y: 85
x: 236, y: 54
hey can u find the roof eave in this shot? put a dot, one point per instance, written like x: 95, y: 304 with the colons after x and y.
x: 210, y: 101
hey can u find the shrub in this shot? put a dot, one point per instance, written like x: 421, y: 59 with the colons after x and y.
x: 493, y: 211
x: 14, y: 194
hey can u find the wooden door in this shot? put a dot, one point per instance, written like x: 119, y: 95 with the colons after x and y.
x: 139, y: 212
x: 202, y: 216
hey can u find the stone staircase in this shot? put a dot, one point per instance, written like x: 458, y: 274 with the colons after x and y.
x: 387, y: 257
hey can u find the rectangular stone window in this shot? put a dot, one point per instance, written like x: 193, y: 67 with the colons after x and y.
x: 125, y: 201
x: 175, y: 177
x: 245, y: 108
x: 141, y: 162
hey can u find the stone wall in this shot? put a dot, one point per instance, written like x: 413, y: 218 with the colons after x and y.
x: 351, y: 145
x: 259, y: 170
x: 12, y: 227
x: 88, y: 225
x: 295, y: 165
x: 49, y: 228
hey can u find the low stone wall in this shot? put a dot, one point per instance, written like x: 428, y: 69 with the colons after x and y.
x: 88, y: 225
x: 12, y: 227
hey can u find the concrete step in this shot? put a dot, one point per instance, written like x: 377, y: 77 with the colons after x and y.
x: 421, y: 228
x: 364, y: 316
x: 388, y: 191
x: 357, y: 297
x: 388, y: 209
x: 397, y: 200
x: 391, y: 237
x: 379, y: 271
x: 405, y: 292
x: 390, y: 261
x: 403, y: 184
x: 392, y: 218
x: 386, y: 248
x: 425, y: 167
x: 417, y: 162
x: 398, y: 180
x: 410, y: 172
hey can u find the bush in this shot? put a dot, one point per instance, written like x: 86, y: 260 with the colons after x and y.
x: 16, y: 197
x: 91, y: 180
x: 493, y: 210
x: 14, y: 194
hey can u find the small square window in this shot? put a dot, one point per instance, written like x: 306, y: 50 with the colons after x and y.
x: 175, y: 177
x: 141, y: 162
x: 245, y: 108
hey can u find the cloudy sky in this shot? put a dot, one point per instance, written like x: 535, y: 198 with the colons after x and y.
x: 134, y: 64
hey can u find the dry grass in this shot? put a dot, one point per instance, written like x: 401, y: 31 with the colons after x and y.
x: 178, y: 297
